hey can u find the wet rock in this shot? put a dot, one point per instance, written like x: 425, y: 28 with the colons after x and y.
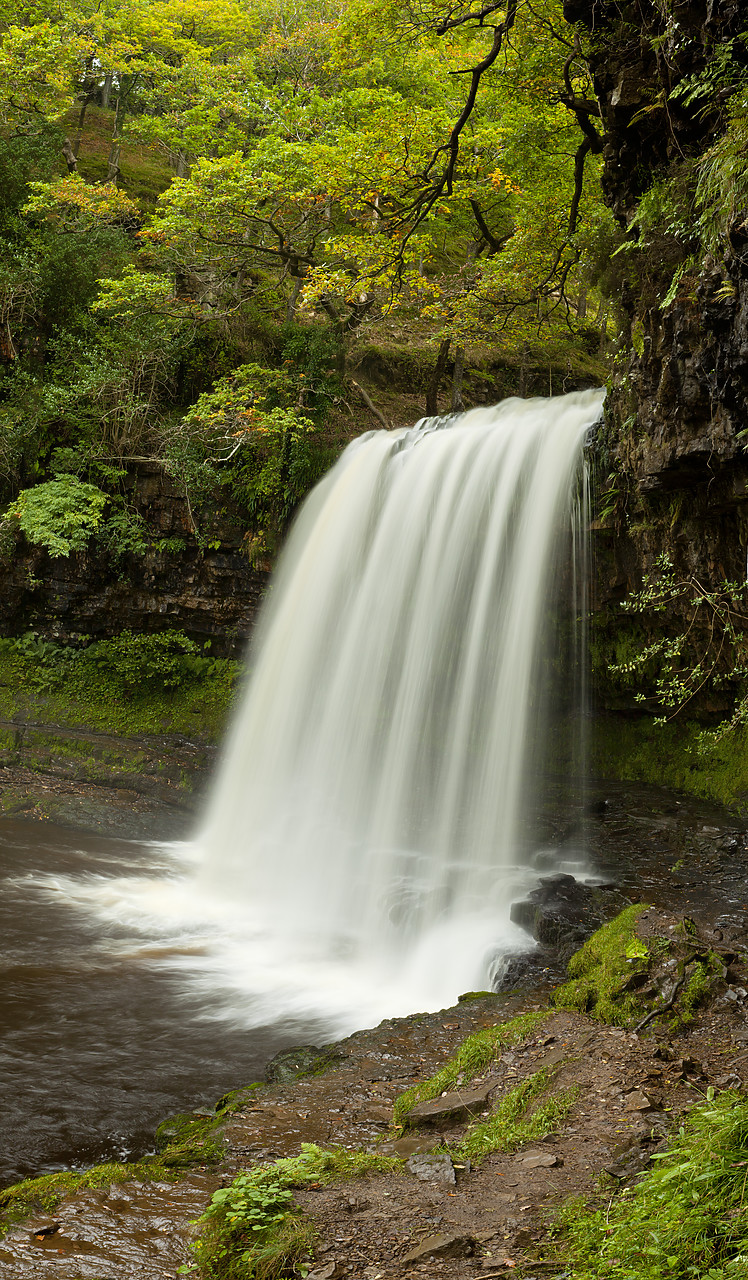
x: 451, y: 1245
x: 290, y: 1063
x: 41, y: 1227
x: 437, y: 1167
x: 561, y: 912
x: 450, y: 1104
x: 527, y: 970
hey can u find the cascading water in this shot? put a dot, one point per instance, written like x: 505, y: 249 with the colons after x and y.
x: 368, y: 824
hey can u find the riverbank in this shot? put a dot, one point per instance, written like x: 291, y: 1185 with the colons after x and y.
x: 593, y: 1097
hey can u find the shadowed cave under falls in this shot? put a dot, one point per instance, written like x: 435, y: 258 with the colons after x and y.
x: 380, y: 801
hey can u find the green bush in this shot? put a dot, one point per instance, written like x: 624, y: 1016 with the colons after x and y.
x: 128, y: 664
x: 162, y: 660
x: 61, y: 514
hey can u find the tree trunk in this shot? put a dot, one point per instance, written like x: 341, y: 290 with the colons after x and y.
x: 105, y: 91
x: 126, y: 85
x: 432, y: 392
x: 179, y: 164
x: 459, y: 369
x: 68, y: 150
x: 293, y: 300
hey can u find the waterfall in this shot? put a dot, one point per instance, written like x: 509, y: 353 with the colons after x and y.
x: 371, y: 817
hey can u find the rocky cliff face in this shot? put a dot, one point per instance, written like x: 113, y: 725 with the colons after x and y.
x: 672, y: 448
x: 211, y: 595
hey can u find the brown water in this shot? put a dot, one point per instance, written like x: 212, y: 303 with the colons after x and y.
x: 97, y: 1046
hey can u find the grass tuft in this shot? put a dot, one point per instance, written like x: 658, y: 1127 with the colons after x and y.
x: 473, y: 1056
x: 515, y: 1122
x: 687, y: 1219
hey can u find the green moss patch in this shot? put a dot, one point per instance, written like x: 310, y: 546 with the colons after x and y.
x: 601, y: 972
x: 677, y: 755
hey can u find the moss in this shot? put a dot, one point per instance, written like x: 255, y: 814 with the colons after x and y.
x: 44, y: 1194
x: 673, y: 755
x: 473, y: 1056
x: 187, y: 1139
x: 184, y: 1141
x: 699, y: 986
x: 197, y: 709
x: 235, y: 1099
x: 474, y: 995
x: 517, y: 1121
x: 600, y: 972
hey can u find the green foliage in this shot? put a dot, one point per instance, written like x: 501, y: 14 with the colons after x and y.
x: 63, y: 684
x: 474, y: 1055
x: 163, y: 659
x: 602, y: 967
x: 517, y: 1120
x: 684, y: 1220
x: 134, y: 664
x: 709, y: 652
x: 253, y: 1229
x: 722, y: 188
x: 60, y: 515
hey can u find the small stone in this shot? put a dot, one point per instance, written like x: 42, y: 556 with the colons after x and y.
x: 328, y: 1272
x: 433, y: 1168
x: 442, y: 1246
x: 540, y: 1162
x: 637, y: 1101
x: 43, y: 1227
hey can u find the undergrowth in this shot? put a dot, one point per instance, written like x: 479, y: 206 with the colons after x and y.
x: 601, y: 970
x: 687, y: 1218
x: 515, y: 1122
x: 473, y: 1056
x: 253, y: 1229
x: 129, y: 684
